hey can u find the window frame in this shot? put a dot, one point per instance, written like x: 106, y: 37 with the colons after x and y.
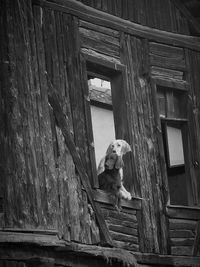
x: 181, y: 87
x: 116, y: 74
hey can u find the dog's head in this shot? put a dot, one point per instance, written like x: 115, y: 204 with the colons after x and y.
x: 113, y: 157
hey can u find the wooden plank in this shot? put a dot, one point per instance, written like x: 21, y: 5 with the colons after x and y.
x: 196, y: 245
x: 123, y: 237
x: 167, y: 260
x: 122, y: 229
x: 97, y: 28
x: 193, y: 78
x: 167, y: 56
x: 100, y: 18
x: 140, y: 105
x: 41, y: 239
x: 181, y: 224
x: 119, y: 215
x: 176, y: 242
x: 99, y: 42
x: 31, y: 231
x: 158, y: 72
x: 180, y: 212
x: 110, y: 220
x: 181, y: 233
x: 88, y: 119
x: 182, y: 250
x: 126, y: 245
x: 54, y: 102
x: 171, y: 83
x: 104, y: 197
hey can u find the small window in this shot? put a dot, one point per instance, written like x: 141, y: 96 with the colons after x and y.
x: 171, y: 105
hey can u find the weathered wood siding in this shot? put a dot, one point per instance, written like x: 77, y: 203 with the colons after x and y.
x: 40, y: 186
x: 163, y: 15
x: 184, y: 225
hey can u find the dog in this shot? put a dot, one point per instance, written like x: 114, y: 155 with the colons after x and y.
x: 110, y: 171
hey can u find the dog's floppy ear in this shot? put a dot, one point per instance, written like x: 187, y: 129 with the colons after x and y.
x: 109, y: 149
x: 125, y: 147
x: 110, y: 161
x: 119, y: 163
x: 101, y: 167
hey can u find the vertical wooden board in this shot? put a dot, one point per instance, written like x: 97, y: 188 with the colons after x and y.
x: 76, y: 90
x: 141, y: 14
x: 145, y: 147
x: 49, y: 186
x: 193, y: 63
x: 23, y: 73
x: 172, y: 15
x: 73, y: 205
x: 182, y: 23
x: 20, y: 191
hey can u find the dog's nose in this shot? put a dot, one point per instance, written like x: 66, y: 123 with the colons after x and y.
x: 114, y: 151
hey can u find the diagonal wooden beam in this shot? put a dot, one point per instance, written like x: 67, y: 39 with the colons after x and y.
x: 63, y: 125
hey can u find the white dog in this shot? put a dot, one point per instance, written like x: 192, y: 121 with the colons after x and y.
x: 110, y: 170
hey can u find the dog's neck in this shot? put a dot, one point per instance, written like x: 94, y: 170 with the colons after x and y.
x: 114, y: 170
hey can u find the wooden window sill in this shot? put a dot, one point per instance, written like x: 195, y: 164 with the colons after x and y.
x: 104, y: 197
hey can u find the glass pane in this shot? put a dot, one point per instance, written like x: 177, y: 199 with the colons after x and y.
x: 103, y: 130
x: 102, y: 118
x: 161, y: 103
x: 175, y: 146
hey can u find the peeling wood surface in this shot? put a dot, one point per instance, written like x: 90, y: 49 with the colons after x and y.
x: 40, y: 173
x: 42, y: 178
x: 142, y: 134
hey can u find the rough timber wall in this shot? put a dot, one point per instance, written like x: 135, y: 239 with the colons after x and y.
x: 162, y: 15
x: 40, y: 188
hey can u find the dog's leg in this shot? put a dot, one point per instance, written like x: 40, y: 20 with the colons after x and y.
x: 124, y: 193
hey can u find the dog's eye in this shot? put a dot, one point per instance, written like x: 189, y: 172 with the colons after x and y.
x: 118, y: 145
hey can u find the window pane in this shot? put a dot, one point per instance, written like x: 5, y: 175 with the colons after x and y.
x: 161, y: 103
x: 103, y: 130
x: 175, y: 146
x: 102, y: 115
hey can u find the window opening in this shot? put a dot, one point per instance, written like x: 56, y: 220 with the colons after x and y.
x: 101, y: 114
x: 172, y: 110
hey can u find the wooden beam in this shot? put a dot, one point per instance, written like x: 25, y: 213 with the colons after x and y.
x: 63, y: 125
x: 50, y: 248
x: 188, y: 15
x: 167, y: 260
x: 107, y: 20
x: 181, y: 212
x: 103, y: 197
x: 196, y: 245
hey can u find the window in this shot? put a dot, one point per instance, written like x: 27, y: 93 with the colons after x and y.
x: 107, y: 112
x: 172, y: 110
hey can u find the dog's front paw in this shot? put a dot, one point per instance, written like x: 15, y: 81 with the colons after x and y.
x: 128, y: 196
x: 125, y: 195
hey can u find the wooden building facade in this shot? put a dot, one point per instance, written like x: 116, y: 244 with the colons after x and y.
x: 51, y: 210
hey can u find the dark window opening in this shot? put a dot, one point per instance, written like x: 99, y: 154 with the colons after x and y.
x: 172, y: 110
